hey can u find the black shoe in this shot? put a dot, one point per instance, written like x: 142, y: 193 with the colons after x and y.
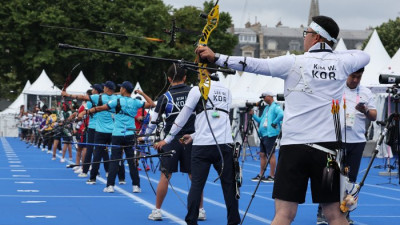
x: 351, y: 222
x: 257, y: 178
x: 90, y: 181
x: 269, y: 179
x: 321, y: 217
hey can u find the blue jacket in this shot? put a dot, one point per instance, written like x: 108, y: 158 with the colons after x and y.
x: 274, y: 114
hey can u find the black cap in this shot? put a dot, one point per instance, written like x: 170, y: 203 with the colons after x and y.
x: 98, y: 87
x: 127, y: 85
x: 110, y: 85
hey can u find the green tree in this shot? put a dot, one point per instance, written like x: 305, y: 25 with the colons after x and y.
x: 389, y: 33
x: 27, y: 46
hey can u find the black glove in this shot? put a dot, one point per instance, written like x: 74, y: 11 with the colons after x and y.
x: 274, y: 125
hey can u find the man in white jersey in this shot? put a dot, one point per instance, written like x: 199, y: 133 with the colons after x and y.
x: 312, y: 81
x: 210, y: 122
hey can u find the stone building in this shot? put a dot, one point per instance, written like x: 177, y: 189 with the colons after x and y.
x: 260, y: 41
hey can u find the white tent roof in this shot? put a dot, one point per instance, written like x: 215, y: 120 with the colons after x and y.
x: 341, y: 46
x: 79, y: 86
x: 393, y: 67
x: 247, y: 87
x: 379, y: 59
x: 43, y: 86
x: 14, y: 107
x: 137, y: 87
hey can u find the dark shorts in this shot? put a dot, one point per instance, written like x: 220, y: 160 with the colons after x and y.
x: 82, y: 139
x: 266, y: 144
x: 297, y: 164
x: 182, y: 155
x: 67, y: 139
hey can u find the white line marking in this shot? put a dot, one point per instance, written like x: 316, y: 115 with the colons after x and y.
x: 374, y: 216
x: 382, y: 187
x: 21, y: 175
x: 259, y: 196
x: 16, y: 166
x: 145, y: 203
x: 60, y: 196
x: 35, y: 191
x: 18, y: 170
x: 24, y: 182
x: 32, y: 202
x: 14, y: 161
x: 380, y: 196
x: 214, y: 202
x: 41, y: 216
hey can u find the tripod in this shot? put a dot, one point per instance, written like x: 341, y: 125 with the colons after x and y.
x: 392, y: 134
x: 245, y: 129
x: 276, y: 144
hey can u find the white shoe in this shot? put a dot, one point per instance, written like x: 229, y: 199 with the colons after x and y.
x: 202, y: 214
x: 76, y: 168
x: 43, y: 149
x: 48, y: 152
x: 70, y: 159
x: 53, y: 158
x: 122, y: 182
x: 136, y: 189
x: 109, y: 189
x: 82, y: 175
x: 78, y: 171
x: 155, y: 215
x: 62, y: 160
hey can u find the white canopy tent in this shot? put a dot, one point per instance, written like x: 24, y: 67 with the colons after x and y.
x: 79, y: 86
x: 137, y: 87
x: 247, y: 87
x: 379, y: 59
x: 341, y: 46
x: 8, y: 122
x: 41, y: 90
x: 20, y: 100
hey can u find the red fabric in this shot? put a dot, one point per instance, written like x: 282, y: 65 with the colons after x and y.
x: 138, y: 124
x: 85, y: 123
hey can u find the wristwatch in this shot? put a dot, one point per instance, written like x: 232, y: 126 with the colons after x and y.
x: 216, y: 57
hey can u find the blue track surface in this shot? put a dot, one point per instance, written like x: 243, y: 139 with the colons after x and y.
x: 36, y: 190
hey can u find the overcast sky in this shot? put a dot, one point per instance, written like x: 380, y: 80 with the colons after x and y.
x: 349, y: 14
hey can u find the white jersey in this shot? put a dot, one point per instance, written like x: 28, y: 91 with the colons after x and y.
x: 355, y: 120
x: 218, y: 115
x: 312, y: 81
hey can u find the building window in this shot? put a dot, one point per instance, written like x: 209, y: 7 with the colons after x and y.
x: 247, y: 38
x: 294, y: 46
x: 272, y: 45
x: 248, y: 54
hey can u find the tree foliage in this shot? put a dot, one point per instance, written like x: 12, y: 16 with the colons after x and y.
x: 28, y: 46
x: 389, y: 33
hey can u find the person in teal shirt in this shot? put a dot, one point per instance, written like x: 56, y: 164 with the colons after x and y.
x: 269, y: 128
x: 123, y: 134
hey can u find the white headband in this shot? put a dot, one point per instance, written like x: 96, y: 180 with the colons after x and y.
x: 321, y: 31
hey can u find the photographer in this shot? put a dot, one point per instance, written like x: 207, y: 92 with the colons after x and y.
x: 270, y: 125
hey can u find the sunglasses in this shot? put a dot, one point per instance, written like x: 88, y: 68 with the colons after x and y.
x: 308, y: 32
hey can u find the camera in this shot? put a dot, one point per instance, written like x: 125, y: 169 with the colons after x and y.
x: 252, y: 104
x: 389, y: 79
x: 280, y: 97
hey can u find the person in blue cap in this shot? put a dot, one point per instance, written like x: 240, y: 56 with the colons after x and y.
x: 104, y: 126
x: 91, y: 130
x: 123, y: 133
